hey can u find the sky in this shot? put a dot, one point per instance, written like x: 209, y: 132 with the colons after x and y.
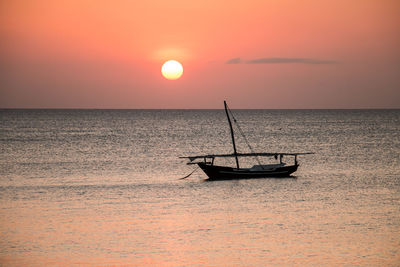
x: 271, y: 54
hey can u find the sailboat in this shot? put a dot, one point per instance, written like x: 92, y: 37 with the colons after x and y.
x: 216, y: 172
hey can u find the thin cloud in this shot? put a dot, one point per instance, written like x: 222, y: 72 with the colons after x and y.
x: 235, y: 60
x: 280, y: 60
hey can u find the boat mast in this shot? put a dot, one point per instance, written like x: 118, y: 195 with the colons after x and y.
x: 233, y: 137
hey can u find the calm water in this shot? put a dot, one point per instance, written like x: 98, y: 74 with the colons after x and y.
x: 100, y: 187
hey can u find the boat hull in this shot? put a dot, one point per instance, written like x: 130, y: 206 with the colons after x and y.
x: 215, y: 172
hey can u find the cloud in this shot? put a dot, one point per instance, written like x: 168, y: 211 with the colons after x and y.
x: 235, y: 60
x: 280, y: 60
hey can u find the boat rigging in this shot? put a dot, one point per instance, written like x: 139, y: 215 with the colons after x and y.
x: 215, y: 172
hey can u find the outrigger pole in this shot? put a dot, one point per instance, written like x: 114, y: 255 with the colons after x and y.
x: 233, y: 137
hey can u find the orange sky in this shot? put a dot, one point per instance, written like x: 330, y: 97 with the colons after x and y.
x: 287, y: 54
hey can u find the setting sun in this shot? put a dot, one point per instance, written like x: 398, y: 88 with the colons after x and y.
x: 172, y: 70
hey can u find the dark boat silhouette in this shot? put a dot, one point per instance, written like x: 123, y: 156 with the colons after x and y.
x: 215, y: 172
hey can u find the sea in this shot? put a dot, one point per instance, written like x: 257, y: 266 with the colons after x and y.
x: 104, y: 188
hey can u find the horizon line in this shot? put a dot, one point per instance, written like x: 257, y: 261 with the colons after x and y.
x: 68, y: 108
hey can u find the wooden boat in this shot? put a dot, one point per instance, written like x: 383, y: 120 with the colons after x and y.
x: 215, y: 172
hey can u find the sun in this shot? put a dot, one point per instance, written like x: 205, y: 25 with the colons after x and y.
x: 172, y: 70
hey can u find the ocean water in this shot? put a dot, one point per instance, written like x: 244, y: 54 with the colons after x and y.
x: 101, y: 187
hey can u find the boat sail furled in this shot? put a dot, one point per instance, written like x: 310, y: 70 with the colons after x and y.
x: 215, y: 172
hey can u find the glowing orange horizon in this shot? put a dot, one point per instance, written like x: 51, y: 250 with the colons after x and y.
x: 76, y: 54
